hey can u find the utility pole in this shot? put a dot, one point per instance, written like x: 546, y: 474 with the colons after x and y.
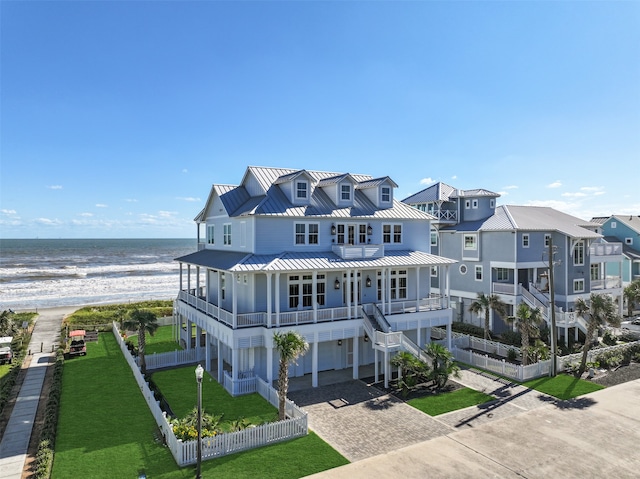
x: 552, y: 305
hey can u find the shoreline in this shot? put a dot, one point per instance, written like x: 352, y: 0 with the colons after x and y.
x: 66, y: 310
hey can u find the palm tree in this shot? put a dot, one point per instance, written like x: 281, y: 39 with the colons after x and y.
x: 599, y: 311
x: 143, y: 321
x: 7, y: 324
x: 411, y: 368
x: 484, y: 304
x: 290, y: 346
x: 527, y: 321
x: 631, y: 294
x: 443, y: 364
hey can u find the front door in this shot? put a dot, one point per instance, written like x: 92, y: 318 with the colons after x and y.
x: 351, y: 234
x: 349, y: 352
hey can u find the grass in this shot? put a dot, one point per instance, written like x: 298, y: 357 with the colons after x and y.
x: 105, y: 430
x: 161, y: 342
x: 4, y: 370
x: 179, y: 388
x: 563, y: 386
x: 446, y: 402
x: 106, y: 313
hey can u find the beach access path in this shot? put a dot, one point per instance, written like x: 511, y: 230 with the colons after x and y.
x: 41, y: 355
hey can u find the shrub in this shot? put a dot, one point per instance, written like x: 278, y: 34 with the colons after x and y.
x: 511, y: 337
x: 467, y: 328
x: 512, y: 355
x: 609, y: 338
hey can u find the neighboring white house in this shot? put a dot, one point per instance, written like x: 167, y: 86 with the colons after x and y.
x: 333, y: 256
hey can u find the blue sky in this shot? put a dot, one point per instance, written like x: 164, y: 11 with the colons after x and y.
x: 117, y: 116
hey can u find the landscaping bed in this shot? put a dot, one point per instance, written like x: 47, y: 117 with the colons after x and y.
x: 619, y: 375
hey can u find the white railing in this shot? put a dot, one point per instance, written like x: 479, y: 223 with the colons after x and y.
x: 240, y: 386
x: 174, y: 358
x: 605, y: 249
x: 504, y: 288
x: 185, y: 453
x: 608, y: 283
x: 358, y: 251
x: 445, y: 214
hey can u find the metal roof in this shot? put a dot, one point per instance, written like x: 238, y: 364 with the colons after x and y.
x: 376, y: 182
x: 531, y: 218
x: 436, y: 192
x: 474, y: 193
x: 309, y: 261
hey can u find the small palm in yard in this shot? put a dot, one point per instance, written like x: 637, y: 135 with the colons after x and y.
x: 411, y: 369
x: 143, y: 321
x: 527, y: 321
x: 443, y: 365
x: 290, y: 345
x: 186, y: 428
x: 599, y: 311
x: 485, y: 304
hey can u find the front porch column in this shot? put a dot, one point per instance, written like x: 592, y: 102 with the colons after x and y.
x: 234, y: 363
x: 189, y: 333
x: 314, y: 295
x: 197, y: 281
x: 387, y: 369
x: 277, y: 299
x: 219, y: 293
x: 428, y: 336
x: 181, y: 264
x: 383, y: 295
x: 234, y: 292
x: 356, y: 355
x: 417, y: 289
x: 220, y: 363
x: 198, y: 336
x: 189, y: 278
x: 388, y: 291
x: 356, y: 289
x: 314, y: 364
x: 347, y: 286
x: 449, y: 328
x: 269, y: 278
x: 270, y: 363
x: 376, y: 361
x: 207, y: 353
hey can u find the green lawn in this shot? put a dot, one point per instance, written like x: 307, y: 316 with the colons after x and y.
x: 105, y: 430
x: 179, y: 388
x: 4, y: 370
x: 563, y: 386
x: 446, y: 402
x: 161, y: 342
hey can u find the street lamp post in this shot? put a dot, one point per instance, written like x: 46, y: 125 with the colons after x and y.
x: 199, y: 374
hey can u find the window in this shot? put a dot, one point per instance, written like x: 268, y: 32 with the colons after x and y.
x: 470, y: 242
x: 467, y: 204
x: 301, y: 234
x: 525, y: 240
x: 492, y: 203
x: 547, y: 240
x: 210, y: 234
x: 301, y: 290
x: 502, y: 274
x: 340, y: 234
x: 613, y: 224
x: 385, y: 194
x: 392, y: 234
x: 223, y: 286
x: 474, y: 204
x: 578, y: 254
x: 226, y: 234
x: 306, y: 233
x: 594, y: 271
x: 463, y: 269
x: 478, y: 273
x: 362, y: 234
x: 434, y: 271
x: 578, y: 285
x: 399, y: 284
x: 301, y: 190
x: 434, y: 237
x: 628, y: 241
x: 345, y: 192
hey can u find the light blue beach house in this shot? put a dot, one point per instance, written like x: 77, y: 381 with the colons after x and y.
x: 504, y: 250
x: 626, y: 230
x: 333, y: 256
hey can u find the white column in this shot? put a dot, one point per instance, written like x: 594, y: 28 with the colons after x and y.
x: 270, y: 363
x: 189, y: 333
x: 277, y: 299
x: 189, y: 278
x: 269, y: 307
x: 234, y: 363
x: 198, y: 336
x: 347, y: 285
x: 376, y: 364
x: 314, y: 295
x: 314, y: 365
x: 388, y: 291
x: 197, y: 281
x: 383, y: 294
x: 207, y: 352
x: 356, y: 356
x: 180, y: 276
x: 220, y: 363
x: 356, y: 288
x: 234, y: 299
x: 427, y: 337
x: 418, y: 289
x: 387, y: 369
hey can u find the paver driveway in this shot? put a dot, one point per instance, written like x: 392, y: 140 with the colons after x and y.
x: 360, y: 421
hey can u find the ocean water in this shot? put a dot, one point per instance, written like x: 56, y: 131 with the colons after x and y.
x: 45, y: 273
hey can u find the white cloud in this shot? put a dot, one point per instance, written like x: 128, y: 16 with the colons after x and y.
x: 131, y: 200
x: 454, y: 177
x: 48, y: 221
x: 187, y: 198
x: 555, y: 184
x: 55, y: 187
x: 86, y: 214
x: 574, y: 195
x: 166, y: 214
x: 426, y: 181
x: 8, y: 212
x: 511, y: 187
x: 101, y: 205
x: 503, y: 193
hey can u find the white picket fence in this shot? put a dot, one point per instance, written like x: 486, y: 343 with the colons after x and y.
x: 185, y: 453
x: 175, y: 358
x: 501, y: 366
x: 461, y: 340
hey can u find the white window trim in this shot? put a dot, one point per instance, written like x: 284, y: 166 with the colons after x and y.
x: 628, y: 241
x: 526, y: 240
x: 467, y: 204
x: 614, y: 224
x: 547, y: 238
x: 499, y: 274
x: 211, y: 234
x: 350, y: 192
x: 383, y: 194
x: 477, y: 269
x: 492, y: 203
x: 307, y: 233
x: 433, y: 234
x: 474, y: 204
x: 306, y: 190
x: 576, y: 287
x: 434, y: 271
x: 463, y: 269
x: 392, y: 233
x: 226, y: 234
x: 582, y: 246
x: 475, y: 242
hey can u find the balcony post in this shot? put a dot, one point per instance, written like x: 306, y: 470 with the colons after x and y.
x: 269, y: 279
x: 314, y: 295
x: 277, y: 298
x: 189, y: 278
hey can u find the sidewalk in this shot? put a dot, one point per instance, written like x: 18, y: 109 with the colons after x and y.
x: 15, y: 441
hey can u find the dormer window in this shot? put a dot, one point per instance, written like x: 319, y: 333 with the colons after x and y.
x: 302, y: 190
x: 345, y: 192
x: 385, y: 193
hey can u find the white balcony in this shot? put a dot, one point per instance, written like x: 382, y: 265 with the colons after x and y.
x: 358, y: 251
x: 599, y: 250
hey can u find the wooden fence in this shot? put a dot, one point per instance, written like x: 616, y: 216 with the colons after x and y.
x: 185, y: 452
